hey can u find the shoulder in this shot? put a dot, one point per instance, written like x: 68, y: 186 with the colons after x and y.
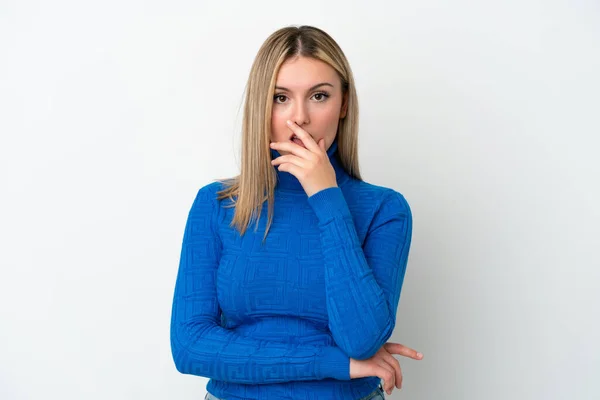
x: 383, y: 199
x: 206, y: 196
x: 210, y: 189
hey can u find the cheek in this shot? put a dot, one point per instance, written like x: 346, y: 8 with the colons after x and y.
x: 328, y: 120
x: 279, y: 128
x: 330, y: 113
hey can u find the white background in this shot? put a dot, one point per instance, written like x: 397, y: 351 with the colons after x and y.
x: 485, y: 115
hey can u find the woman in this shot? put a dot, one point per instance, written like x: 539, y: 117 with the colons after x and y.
x: 302, y: 306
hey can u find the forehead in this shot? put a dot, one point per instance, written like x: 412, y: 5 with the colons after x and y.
x: 303, y: 72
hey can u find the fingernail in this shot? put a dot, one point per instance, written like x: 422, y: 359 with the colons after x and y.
x: 289, y: 122
x: 419, y: 354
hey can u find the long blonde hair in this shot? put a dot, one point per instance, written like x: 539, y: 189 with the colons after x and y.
x: 256, y: 182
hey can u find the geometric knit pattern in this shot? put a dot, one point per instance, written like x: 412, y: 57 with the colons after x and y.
x: 281, y: 319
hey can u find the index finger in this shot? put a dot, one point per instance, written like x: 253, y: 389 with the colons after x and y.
x: 397, y: 348
x: 307, y: 139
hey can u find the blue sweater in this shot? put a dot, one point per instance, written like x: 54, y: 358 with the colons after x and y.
x: 281, y: 320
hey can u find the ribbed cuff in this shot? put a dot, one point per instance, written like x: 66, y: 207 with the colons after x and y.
x: 332, y: 362
x: 329, y: 203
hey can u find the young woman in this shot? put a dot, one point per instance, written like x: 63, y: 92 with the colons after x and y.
x: 300, y: 307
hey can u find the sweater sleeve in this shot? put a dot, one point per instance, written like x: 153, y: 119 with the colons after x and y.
x: 363, y: 284
x: 201, y: 346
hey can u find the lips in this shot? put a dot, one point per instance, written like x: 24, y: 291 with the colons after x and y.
x: 298, y: 142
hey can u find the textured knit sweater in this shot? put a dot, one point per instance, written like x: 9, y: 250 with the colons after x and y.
x: 281, y: 320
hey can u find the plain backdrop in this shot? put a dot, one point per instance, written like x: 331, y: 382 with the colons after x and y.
x: 484, y: 115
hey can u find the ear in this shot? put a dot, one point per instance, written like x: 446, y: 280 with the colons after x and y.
x: 344, y: 108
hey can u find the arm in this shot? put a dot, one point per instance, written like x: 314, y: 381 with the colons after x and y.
x: 201, y: 346
x: 363, y: 284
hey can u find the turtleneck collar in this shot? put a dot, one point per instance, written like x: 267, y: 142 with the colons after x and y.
x: 288, y: 182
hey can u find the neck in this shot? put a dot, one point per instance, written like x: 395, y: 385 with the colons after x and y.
x: 288, y: 182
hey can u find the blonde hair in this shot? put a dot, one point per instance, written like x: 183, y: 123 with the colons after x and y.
x: 256, y: 182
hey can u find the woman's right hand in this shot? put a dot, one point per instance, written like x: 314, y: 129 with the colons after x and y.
x: 384, y: 365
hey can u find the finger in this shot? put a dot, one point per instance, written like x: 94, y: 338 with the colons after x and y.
x: 387, y: 373
x: 308, y: 140
x: 396, y: 365
x: 292, y: 169
x: 397, y: 348
x: 293, y: 148
x: 322, y: 144
x: 289, y: 159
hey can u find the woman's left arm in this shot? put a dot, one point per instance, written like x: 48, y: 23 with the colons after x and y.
x: 363, y: 284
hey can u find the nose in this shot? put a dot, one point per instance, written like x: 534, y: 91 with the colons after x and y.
x: 300, y: 115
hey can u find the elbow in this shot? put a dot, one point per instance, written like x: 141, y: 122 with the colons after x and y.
x: 180, y: 366
x: 186, y: 347
x: 179, y: 352
x: 183, y: 359
x: 365, y: 346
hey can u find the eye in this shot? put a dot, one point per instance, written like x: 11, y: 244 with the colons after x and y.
x: 322, y: 96
x: 278, y: 96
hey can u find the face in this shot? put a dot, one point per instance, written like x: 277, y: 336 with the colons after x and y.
x: 309, y: 92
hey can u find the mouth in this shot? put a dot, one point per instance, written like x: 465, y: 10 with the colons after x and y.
x: 296, y: 139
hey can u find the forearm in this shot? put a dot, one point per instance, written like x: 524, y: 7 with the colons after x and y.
x: 209, y: 350
x: 362, y: 287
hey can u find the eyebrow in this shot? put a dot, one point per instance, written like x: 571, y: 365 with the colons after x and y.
x: 312, y: 88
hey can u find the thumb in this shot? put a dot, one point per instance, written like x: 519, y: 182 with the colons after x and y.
x: 322, y: 144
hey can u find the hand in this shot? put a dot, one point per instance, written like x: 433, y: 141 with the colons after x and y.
x: 384, y: 365
x: 310, y: 165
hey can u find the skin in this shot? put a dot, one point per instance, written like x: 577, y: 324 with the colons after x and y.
x: 313, y: 111
x: 303, y: 110
x: 308, y: 102
x: 384, y: 365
